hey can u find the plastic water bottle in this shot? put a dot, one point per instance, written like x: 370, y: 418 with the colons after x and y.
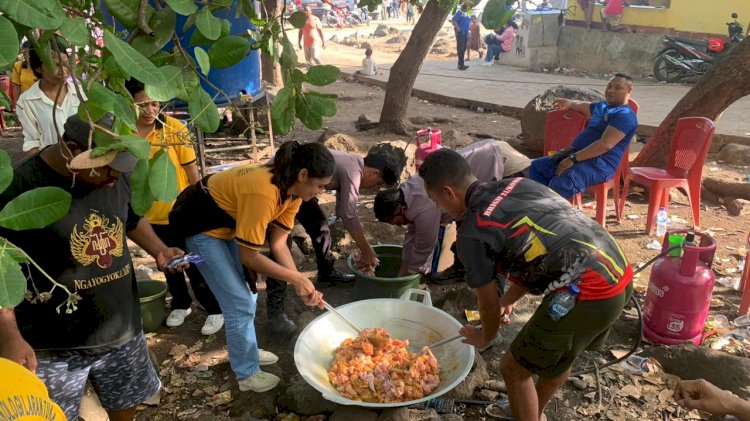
x: 662, y: 220
x: 563, y: 301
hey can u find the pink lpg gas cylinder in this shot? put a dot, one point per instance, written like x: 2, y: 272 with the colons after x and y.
x: 679, y: 292
x: 426, y: 148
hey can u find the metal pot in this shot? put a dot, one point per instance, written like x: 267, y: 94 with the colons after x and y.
x: 418, y: 322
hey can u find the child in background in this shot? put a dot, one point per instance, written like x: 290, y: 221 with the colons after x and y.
x: 473, y: 43
x: 410, y: 13
x: 369, y: 68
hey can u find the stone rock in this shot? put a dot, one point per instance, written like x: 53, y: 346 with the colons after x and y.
x: 393, y: 30
x: 707, y: 196
x: 534, y: 114
x: 394, y: 414
x: 334, y: 38
x: 350, y: 41
x: 301, y: 398
x: 455, y: 139
x: 350, y: 413
x: 302, y: 239
x: 457, y: 301
x: 381, y: 31
x: 258, y: 405
x: 339, y: 236
x: 488, y: 395
x: 342, y: 142
x: 436, y: 50
x: 400, y: 39
x: 738, y: 207
x: 451, y: 417
x: 439, y: 43
x: 735, y: 154
x: 579, y: 384
x: 497, y: 385
x: 476, y: 378
x: 406, y: 414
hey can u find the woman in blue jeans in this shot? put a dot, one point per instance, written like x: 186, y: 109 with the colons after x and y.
x: 503, y: 42
x: 227, y: 218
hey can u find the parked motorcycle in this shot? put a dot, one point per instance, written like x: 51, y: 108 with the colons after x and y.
x: 683, y: 59
x: 340, y: 14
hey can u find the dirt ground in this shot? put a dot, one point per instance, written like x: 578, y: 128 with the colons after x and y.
x: 198, y: 383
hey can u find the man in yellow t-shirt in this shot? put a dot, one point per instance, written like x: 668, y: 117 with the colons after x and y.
x: 170, y: 135
x: 23, y: 397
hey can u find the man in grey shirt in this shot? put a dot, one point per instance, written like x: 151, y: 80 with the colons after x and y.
x: 409, y: 205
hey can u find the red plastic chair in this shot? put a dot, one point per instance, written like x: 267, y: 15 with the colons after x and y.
x: 745, y: 282
x: 561, y: 127
x: 690, y: 144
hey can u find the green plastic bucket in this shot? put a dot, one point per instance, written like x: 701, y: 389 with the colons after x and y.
x: 152, y: 295
x: 385, y: 283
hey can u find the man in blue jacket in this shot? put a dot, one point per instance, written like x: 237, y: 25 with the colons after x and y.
x: 461, y: 22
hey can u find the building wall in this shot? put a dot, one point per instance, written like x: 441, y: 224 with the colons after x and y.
x: 696, y: 16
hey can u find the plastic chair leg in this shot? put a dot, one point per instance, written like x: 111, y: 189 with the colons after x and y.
x: 654, y: 200
x: 694, y: 196
x: 601, y: 204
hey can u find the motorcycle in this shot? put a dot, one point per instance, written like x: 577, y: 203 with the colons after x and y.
x: 682, y: 59
x: 340, y: 14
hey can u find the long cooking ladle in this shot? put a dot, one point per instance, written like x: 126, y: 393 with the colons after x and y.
x: 445, y: 341
x: 341, y: 316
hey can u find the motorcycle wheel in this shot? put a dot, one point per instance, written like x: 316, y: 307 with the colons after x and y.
x: 354, y: 20
x: 665, y: 71
x: 332, y: 21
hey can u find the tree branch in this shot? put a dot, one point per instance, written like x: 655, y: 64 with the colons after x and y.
x: 143, y: 19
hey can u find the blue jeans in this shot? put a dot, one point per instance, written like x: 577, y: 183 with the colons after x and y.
x: 224, y: 275
x: 493, y: 51
x: 574, y: 180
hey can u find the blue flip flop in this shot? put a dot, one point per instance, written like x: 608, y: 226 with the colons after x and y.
x: 493, y: 410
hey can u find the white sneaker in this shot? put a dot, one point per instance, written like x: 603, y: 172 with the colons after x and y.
x: 266, y: 358
x: 177, y: 317
x: 259, y: 382
x: 213, y: 324
x: 487, y: 64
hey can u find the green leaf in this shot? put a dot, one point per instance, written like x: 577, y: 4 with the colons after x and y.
x: 75, y: 31
x: 322, y: 75
x: 208, y: 24
x: 138, y: 146
x: 162, y: 177
x: 13, y: 251
x: 312, y: 107
x: 8, y: 42
x: 298, y: 77
x: 282, y: 111
x: 496, y: 13
x: 35, y: 209
x: 101, y: 100
x: 141, y: 197
x: 131, y: 61
x: 298, y: 19
x: 183, y: 7
x: 42, y: 14
x: 222, y: 3
x: 228, y: 51
x: 199, y: 39
x: 12, y: 282
x: 171, y: 89
x: 203, y: 60
x: 4, y: 99
x: 6, y: 170
x: 125, y: 11
x: 163, y: 23
x: 203, y: 110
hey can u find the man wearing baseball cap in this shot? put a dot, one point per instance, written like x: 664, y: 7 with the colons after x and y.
x: 100, y: 339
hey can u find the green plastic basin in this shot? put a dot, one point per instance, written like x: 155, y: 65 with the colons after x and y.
x: 386, y: 283
x: 152, y: 296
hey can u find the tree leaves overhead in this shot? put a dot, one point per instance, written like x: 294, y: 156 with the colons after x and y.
x: 228, y: 51
x: 282, y: 111
x: 162, y: 177
x: 131, y: 61
x: 496, y: 13
x: 203, y: 110
x: 208, y: 24
x: 203, y: 60
x: 75, y: 31
x: 138, y: 146
x: 298, y: 19
x: 322, y: 75
x: 163, y: 23
x: 125, y: 11
x: 171, y: 89
x: 42, y: 14
x: 13, y: 282
x: 8, y: 42
x: 6, y: 170
x: 35, y: 209
x: 199, y: 39
x: 102, y: 101
x: 312, y: 107
x: 183, y: 7
x: 141, y: 197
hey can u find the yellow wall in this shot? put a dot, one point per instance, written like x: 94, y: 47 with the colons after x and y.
x: 706, y: 16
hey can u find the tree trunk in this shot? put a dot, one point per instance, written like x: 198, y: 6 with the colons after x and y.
x: 406, y: 68
x: 714, y: 92
x: 270, y: 70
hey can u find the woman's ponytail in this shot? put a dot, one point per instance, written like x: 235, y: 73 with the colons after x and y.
x: 293, y: 157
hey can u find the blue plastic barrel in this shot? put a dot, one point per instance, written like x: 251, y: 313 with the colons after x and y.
x: 241, y: 79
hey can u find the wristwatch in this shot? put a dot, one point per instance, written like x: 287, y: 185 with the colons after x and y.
x: 573, y: 158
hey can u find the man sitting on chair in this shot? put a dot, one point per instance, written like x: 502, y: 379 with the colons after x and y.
x: 596, y: 151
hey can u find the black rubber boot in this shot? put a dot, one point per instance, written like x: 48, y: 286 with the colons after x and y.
x: 451, y: 275
x: 335, y: 277
x: 278, y: 322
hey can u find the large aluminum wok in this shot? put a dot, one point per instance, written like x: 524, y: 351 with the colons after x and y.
x: 420, y: 323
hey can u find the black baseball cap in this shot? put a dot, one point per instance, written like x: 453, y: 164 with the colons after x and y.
x: 77, y: 130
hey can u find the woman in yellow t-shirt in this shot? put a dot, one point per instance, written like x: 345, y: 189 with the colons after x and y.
x: 169, y: 134
x: 226, y: 219
x: 21, y: 77
x: 23, y: 396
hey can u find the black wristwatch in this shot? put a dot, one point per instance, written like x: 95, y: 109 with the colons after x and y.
x: 573, y: 158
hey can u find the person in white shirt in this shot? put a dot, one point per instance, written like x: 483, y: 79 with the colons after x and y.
x: 35, y: 106
x: 369, y: 68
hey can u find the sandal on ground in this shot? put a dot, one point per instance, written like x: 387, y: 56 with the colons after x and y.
x: 501, y: 411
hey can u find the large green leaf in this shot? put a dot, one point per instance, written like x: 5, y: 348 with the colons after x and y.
x: 102, y: 100
x: 75, y: 31
x: 42, y: 14
x: 4, y: 99
x: 203, y: 110
x: 8, y: 42
x: 6, y: 170
x: 203, y: 60
x: 228, y: 51
x: 171, y: 89
x: 13, y: 251
x: 12, y: 282
x: 138, y: 146
x: 496, y: 13
x: 199, y: 39
x: 163, y: 23
x: 312, y: 107
x: 35, y: 209
x: 208, y: 24
x: 141, y: 197
x: 282, y: 111
x: 125, y: 11
x: 183, y: 7
x: 298, y: 19
x: 162, y: 177
x: 131, y: 61
x: 322, y: 75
